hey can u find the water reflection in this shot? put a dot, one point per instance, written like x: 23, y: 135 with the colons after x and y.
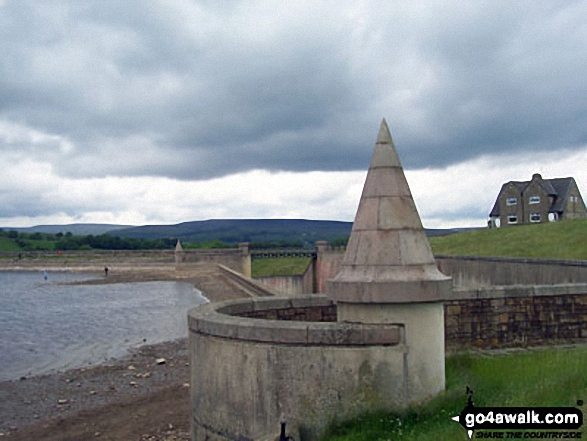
x: 45, y: 325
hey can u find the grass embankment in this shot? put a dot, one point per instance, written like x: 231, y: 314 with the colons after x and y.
x: 556, y: 240
x: 542, y: 378
x: 8, y: 245
x: 281, y: 266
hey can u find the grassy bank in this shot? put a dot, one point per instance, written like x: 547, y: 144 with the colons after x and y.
x: 282, y: 266
x: 557, y: 240
x: 554, y: 377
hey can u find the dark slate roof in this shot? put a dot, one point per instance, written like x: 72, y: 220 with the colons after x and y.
x: 563, y: 187
x: 558, y: 187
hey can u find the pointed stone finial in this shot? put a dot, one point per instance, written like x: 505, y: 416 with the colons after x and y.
x: 384, y: 154
x: 388, y: 257
x: 178, y: 247
x: 384, y: 136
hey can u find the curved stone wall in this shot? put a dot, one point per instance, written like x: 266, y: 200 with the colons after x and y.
x: 249, y: 374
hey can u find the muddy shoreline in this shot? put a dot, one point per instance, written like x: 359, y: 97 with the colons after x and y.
x: 136, y: 397
x: 52, y: 404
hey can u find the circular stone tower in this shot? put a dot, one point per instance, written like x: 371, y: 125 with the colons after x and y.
x: 389, y: 275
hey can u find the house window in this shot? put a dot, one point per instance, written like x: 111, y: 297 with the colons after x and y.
x: 534, y: 200
x: 511, y: 201
x: 512, y: 219
x: 534, y: 217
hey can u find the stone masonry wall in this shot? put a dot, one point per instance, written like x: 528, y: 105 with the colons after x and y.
x: 501, y: 322
x: 515, y: 321
x: 302, y: 314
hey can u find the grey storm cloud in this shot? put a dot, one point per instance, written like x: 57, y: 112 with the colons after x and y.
x: 198, y: 89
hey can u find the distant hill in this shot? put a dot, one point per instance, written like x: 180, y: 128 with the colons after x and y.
x: 231, y: 231
x: 243, y: 230
x: 76, y: 229
x: 251, y: 230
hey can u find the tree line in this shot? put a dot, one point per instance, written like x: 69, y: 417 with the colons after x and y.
x: 70, y: 242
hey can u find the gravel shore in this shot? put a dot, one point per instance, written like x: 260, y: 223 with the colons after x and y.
x: 138, y: 397
x: 143, y: 396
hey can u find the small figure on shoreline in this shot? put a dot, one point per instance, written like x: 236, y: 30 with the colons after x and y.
x: 45, y: 275
x: 105, y: 271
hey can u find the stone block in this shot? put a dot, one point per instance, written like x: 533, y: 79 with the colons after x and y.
x: 313, y: 314
x: 311, y: 300
x: 350, y: 256
x: 381, y: 334
x: 276, y: 332
x: 385, y: 182
x: 260, y: 304
x: 335, y: 334
x: 452, y: 310
x: 384, y: 155
x: 218, y: 326
x: 237, y: 308
x: 373, y: 248
x: 398, y: 212
x: 415, y: 248
x: 367, y: 215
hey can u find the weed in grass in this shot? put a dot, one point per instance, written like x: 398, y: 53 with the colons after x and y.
x: 550, y: 377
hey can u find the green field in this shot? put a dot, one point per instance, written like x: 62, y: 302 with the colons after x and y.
x: 557, y: 240
x: 8, y: 245
x: 282, y: 266
x: 553, y: 377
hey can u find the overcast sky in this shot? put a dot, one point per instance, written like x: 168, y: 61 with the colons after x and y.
x: 149, y: 112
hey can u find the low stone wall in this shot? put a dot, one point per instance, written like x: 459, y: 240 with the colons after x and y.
x: 491, y: 317
x: 291, y: 285
x: 248, y: 374
x: 510, y: 316
x: 488, y: 271
x: 471, y: 271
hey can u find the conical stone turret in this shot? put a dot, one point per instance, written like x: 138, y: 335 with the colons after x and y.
x: 388, y: 257
x: 179, y: 256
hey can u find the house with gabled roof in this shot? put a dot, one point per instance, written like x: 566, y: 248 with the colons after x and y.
x: 537, y: 201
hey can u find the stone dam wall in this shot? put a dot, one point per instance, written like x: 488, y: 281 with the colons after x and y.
x: 497, y: 302
x: 490, y: 271
x: 292, y: 285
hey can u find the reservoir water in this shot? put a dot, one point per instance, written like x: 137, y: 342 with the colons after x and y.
x: 45, y: 325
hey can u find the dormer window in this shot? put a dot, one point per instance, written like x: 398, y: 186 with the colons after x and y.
x: 511, y: 201
x: 534, y: 200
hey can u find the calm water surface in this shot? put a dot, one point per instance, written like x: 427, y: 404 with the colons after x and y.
x: 46, y: 326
